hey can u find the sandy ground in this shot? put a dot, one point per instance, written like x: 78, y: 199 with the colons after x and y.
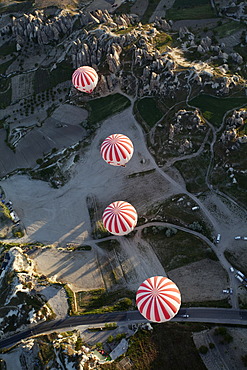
x: 61, y: 215
x: 194, y: 282
x: 56, y: 298
x: 79, y: 269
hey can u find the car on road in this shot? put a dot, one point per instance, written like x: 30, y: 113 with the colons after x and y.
x: 237, y: 237
x: 231, y: 269
x: 230, y: 291
x: 185, y: 316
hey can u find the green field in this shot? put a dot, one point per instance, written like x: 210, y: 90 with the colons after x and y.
x: 169, y: 346
x: 105, y: 107
x: 99, y: 301
x: 227, y: 29
x: 44, y: 79
x: 179, y: 249
x: 194, y: 171
x: 198, y: 12
x: 214, y: 108
x: 178, y: 213
x: 149, y: 111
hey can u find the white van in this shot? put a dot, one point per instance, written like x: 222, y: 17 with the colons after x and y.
x: 218, y: 238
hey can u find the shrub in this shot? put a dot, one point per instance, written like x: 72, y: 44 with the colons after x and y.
x: 203, y: 349
x: 39, y: 161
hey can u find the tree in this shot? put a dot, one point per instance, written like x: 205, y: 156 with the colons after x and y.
x: 203, y: 349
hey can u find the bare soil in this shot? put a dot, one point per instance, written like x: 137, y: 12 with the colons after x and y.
x: 200, y: 281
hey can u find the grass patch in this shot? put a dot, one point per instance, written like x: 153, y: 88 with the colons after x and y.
x: 221, y: 303
x: 71, y: 299
x: 5, y: 92
x: 123, y: 8
x: 8, y: 48
x: 197, y: 11
x: 237, y: 260
x: 109, y: 244
x: 152, y: 4
x: 46, y: 353
x: 146, y: 350
x: 100, y: 301
x: 178, y: 249
x: 176, y: 211
x: 149, y: 111
x: 140, y: 174
x: 162, y: 40
x: 4, y: 66
x: 194, y: 171
x: 214, y: 108
x: 227, y: 29
x: 44, y: 79
x: 102, y: 108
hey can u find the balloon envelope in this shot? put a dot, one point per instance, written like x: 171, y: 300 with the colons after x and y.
x: 158, y: 299
x: 119, y: 218
x: 117, y: 149
x: 85, y: 79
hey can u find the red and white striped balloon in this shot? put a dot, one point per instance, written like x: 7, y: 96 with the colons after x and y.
x: 158, y: 299
x: 117, y: 149
x: 119, y: 218
x: 85, y: 79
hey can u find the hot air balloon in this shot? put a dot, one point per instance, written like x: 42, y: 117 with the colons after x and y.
x: 85, y: 79
x: 117, y: 149
x: 119, y: 218
x: 158, y: 299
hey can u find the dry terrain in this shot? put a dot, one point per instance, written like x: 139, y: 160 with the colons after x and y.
x: 200, y: 281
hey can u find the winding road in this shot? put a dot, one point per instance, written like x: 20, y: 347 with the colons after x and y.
x: 209, y: 315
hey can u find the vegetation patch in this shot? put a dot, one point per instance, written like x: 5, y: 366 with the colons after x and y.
x: 149, y: 111
x: 194, y: 171
x: 183, y: 9
x: 102, y: 108
x: 221, y: 303
x: 152, y: 4
x: 177, y: 210
x: 214, y: 108
x: 146, y: 350
x: 162, y: 40
x: 100, y: 301
x: 237, y: 259
x: 45, y: 79
x: 177, y: 248
x: 227, y: 29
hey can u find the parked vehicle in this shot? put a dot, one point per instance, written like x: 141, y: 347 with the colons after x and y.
x: 245, y: 238
x: 237, y: 237
x: 239, y: 278
x: 231, y: 269
x: 240, y: 273
x: 14, y: 217
x: 195, y: 208
x: 226, y: 291
x: 218, y: 238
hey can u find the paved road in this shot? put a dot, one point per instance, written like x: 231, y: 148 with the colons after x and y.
x: 210, y: 315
